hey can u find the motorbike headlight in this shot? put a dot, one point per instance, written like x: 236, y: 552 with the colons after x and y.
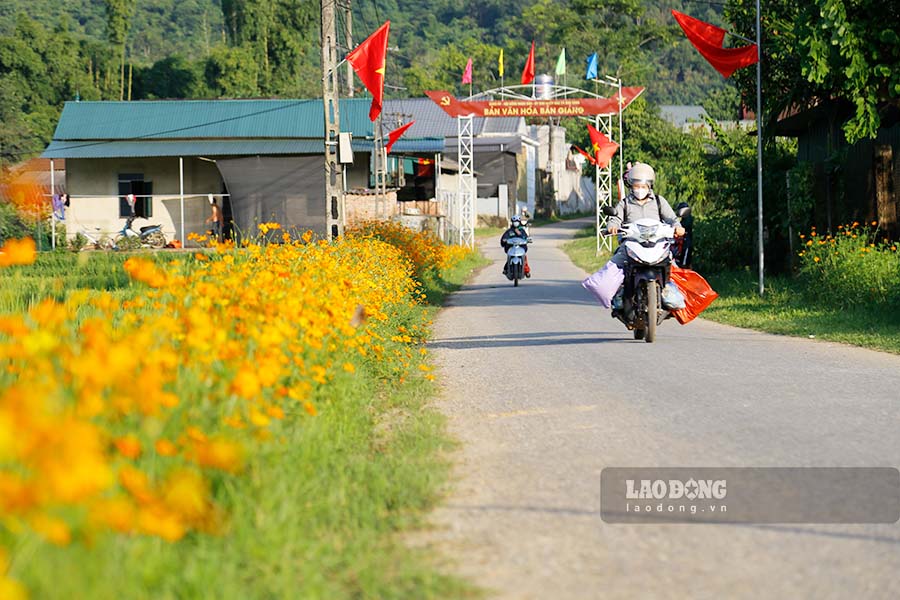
x: 647, y: 231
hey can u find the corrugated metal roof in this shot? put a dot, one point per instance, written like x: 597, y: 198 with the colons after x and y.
x: 167, y: 119
x: 211, y: 148
x: 419, y: 146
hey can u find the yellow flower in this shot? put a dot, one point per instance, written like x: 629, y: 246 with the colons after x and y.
x: 55, y: 530
x: 816, y: 259
x: 246, y: 383
x: 186, y: 493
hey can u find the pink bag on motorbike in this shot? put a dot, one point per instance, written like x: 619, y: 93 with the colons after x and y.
x: 604, y: 283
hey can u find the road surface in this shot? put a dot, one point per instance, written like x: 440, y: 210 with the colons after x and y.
x: 544, y: 389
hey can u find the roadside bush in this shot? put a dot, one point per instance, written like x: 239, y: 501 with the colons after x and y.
x: 852, y: 267
x: 721, y: 241
x: 11, y: 224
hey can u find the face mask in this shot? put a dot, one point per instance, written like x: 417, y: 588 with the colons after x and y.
x: 640, y: 193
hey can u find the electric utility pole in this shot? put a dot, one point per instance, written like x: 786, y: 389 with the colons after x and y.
x: 348, y: 35
x: 334, y: 192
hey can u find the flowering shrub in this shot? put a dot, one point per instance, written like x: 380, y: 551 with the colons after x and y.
x: 850, y: 267
x: 123, y: 416
x: 423, y: 249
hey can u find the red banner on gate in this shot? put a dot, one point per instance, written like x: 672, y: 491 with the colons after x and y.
x: 563, y: 107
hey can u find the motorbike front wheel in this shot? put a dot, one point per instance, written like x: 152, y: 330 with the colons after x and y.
x: 639, y: 334
x: 652, y: 311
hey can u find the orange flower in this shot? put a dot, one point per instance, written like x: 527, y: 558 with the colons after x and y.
x: 220, y: 454
x: 18, y: 252
x: 165, y: 448
x: 128, y: 446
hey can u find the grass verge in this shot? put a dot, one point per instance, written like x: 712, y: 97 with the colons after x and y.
x: 783, y: 310
x: 582, y: 250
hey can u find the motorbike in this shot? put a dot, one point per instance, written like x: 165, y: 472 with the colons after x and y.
x: 515, y: 259
x: 648, y: 245
x: 150, y: 235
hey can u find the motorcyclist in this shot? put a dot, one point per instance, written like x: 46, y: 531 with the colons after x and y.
x: 516, y: 229
x: 640, y: 203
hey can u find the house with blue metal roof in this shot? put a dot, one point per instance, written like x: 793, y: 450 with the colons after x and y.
x: 263, y: 158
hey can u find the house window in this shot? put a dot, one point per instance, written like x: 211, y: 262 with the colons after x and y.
x: 134, y: 183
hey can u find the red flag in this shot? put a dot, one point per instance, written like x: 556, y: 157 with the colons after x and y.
x: 395, y: 135
x: 602, y: 147
x: 708, y: 40
x: 368, y: 61
x: 467, y: 74
x: 528, y: 72
x: 592, y: 160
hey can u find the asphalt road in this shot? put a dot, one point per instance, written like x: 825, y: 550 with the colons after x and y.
x: 544, y: 390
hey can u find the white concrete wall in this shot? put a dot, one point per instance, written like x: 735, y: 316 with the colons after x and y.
x: 93, y: 186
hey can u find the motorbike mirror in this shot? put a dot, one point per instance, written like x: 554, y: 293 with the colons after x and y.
x: 608, y: 210
x: 684, y: 211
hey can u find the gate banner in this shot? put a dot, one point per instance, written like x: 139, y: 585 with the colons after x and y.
x: 561, y: 107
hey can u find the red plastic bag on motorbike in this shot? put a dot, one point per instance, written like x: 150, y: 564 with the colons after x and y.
x: 698, y: 294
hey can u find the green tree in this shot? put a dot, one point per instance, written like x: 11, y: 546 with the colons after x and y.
x: 231, y: 72
x: 826, y: 50
x: 118, y: 22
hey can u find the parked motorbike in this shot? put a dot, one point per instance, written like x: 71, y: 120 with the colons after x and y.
x: 515, y: 258
x: 648, y: 245
x: 150, y: 235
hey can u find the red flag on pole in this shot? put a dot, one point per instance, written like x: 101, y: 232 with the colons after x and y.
x: 368, y: 61
x: 528, y: 72
x: 467, y: 74
x: 395, y: 135
x: 602, y: 147
x: 708, y: 40
x: 590, y: 158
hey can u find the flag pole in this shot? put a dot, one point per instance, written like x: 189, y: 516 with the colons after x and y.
x: 759, y: 164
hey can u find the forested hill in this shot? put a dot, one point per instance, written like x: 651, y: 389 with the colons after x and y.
x: 53, y: 51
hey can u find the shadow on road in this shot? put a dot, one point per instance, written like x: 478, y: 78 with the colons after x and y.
x: 529, y: 292
x: 792, y: 529
x: 528, y: 339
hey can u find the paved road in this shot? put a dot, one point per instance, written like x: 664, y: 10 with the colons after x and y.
x: 544, y: 389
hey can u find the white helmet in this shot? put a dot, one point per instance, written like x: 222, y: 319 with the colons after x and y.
x: 641, y: 173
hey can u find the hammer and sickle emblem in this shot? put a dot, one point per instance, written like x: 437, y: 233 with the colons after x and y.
x: 445, y: 100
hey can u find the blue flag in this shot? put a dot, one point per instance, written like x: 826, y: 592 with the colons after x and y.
x: 591, y: 66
